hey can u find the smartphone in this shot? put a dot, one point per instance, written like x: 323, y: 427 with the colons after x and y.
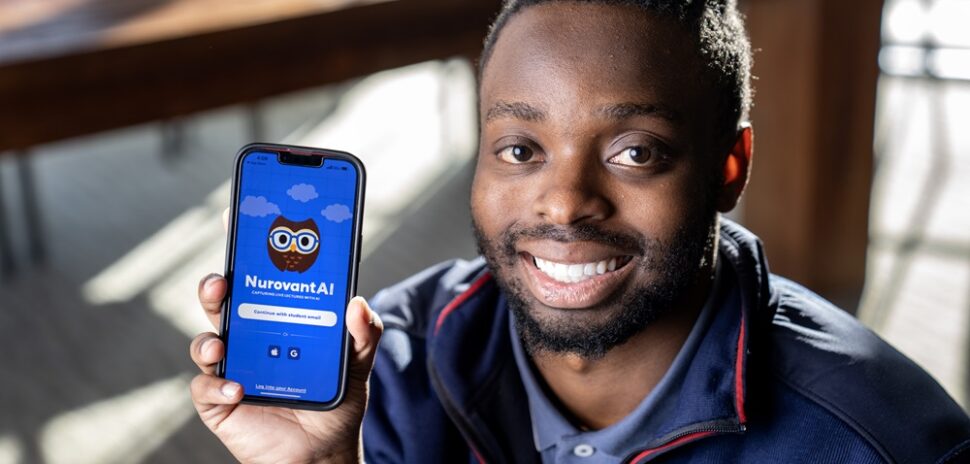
x: 291, y: 266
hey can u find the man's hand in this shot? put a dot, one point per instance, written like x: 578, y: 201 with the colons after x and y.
x: 272, y: 434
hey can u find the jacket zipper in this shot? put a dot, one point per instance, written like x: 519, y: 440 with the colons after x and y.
x: 672, y: 442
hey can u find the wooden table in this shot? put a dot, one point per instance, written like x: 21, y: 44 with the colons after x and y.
x: 75, y: 67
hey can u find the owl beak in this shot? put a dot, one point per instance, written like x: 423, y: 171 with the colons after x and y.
x: 293, y: 247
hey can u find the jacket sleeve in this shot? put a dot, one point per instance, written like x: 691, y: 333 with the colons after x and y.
x: 405, y: 422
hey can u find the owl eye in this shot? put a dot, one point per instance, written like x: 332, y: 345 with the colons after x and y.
x: 280, y: 238
x: 306, y: 241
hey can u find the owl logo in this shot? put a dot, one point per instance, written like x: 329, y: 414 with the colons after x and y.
x: 293, y: 246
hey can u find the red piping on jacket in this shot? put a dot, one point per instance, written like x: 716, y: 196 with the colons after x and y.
x: 455, y: 303
x: 684, y: 439
x: 451, y: 306
x: 739, y: 375
x: 477, y: 456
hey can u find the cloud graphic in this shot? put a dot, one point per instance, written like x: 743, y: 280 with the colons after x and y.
x: 258, y: 207
x: 302, y: 192
x: 337, y: 213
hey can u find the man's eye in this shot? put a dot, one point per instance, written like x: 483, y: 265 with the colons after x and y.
x: 634, y: 156
x: 516, y: 154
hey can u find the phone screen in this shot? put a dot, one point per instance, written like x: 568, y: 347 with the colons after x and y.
x: 291, y: 274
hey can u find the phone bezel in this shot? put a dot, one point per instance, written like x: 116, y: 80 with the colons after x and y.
x: 353, y: 265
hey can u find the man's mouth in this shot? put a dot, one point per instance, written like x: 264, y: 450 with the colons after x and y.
x: 578, y: 272
x: 563, y: 285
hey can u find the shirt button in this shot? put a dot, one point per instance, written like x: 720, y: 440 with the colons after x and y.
x: 584, y: 450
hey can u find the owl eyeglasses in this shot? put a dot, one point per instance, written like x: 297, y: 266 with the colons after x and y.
x: 304, y: 241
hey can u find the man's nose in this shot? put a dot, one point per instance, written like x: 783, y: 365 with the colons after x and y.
x: 573, y: 191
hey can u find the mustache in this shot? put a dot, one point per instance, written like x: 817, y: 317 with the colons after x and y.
x: 567, y: 234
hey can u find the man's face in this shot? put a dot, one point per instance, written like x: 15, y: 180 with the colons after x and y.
x: 595, y: 190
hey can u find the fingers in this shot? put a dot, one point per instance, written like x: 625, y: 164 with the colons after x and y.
x: 365, y: 329
x: 214, y: 398
x: 211, y: 395
x: 206, y: 351
x: 209, y: 390
x: 225, y: 219
x: 212, y: 290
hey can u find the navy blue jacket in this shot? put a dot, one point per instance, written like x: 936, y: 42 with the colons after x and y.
x: 786, y: 378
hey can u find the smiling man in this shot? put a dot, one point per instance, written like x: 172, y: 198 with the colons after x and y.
x: 614, y: 317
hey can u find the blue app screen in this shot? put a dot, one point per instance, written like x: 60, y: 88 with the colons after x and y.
x: 294, y: 236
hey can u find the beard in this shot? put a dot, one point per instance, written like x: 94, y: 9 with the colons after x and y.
x: 592, y: 332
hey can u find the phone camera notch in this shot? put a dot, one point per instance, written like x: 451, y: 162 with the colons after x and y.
x: 301, y: 160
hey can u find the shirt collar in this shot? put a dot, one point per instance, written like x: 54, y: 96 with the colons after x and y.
x: 641, y: 426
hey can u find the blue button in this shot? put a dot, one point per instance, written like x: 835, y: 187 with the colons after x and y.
x: 293, y: 352
x: 273, y: 351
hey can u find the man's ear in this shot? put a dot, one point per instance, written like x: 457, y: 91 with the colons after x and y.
x: 737, y: 166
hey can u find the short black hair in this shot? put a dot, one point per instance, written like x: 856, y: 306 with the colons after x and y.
x: 717, y: 27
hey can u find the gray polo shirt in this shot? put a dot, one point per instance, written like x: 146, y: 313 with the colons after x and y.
x: 559, y: 441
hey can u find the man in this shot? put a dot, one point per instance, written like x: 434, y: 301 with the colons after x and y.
x: 614, y: 317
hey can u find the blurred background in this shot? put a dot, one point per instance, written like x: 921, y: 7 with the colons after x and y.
x: 119, y: 120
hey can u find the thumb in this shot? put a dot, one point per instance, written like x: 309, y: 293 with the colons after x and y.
x: 365, y: 329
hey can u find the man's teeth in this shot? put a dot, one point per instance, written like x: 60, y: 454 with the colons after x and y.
x: 569, y: 273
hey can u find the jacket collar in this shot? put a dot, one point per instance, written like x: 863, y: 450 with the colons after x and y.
x: 474, y: 373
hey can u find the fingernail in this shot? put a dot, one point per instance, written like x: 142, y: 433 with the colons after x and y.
x: 230, y: 389
x: 206, y: 346
x: 210, y: 280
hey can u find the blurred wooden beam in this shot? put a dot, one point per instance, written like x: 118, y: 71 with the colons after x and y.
x: 816, y: 68
x: 177, y: 67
